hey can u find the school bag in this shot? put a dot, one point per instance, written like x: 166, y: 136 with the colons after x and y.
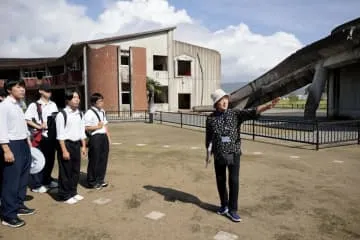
x: 51, y: 123
x: 36, y: 134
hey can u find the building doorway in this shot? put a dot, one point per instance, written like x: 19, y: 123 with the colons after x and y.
x: 184, y: 101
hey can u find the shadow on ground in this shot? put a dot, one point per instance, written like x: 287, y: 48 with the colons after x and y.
x: 172, y: 195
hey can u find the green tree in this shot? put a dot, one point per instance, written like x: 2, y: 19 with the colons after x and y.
x: 153, y: 88
x: 293, y: 98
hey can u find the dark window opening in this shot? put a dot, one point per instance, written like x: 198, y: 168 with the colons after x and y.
x: 125, y: 98
x: 160, y: 63
x: 124, y: 60
x: 10, y: 74
x: 184, y: 68
x: 163, y: 96
x: 125, y: 87
x: 56, y: 70
x: 184, y: 101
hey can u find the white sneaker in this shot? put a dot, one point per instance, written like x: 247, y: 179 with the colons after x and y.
x: 41, y: 189
x: 78, y: 197
x: 53, y: 184
x: 71, y: 201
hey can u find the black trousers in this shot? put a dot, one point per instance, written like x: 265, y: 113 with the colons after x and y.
x: 48, y: 148
x: 231, y: 199
x: 69, y: 170
x: 98, y: 159
x: 15, y: 178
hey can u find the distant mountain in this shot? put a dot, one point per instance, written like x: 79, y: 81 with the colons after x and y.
x: 232, y: 86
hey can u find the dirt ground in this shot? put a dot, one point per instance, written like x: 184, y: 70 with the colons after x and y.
x: 285, y: 193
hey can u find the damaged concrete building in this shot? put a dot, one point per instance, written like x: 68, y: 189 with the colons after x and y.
x: 118, y: 68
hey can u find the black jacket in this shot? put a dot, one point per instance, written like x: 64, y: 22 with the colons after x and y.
x: 223, y: 130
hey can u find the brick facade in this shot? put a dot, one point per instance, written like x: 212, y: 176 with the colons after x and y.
x: 102, y: 69
x: 138, y: 78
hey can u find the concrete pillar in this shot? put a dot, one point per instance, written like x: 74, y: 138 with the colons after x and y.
x: 315, y: 91
x: 85, y: 80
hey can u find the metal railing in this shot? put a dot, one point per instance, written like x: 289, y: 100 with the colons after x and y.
x: 127, y: 116
x: 317, y: 133
x: 298, y: 106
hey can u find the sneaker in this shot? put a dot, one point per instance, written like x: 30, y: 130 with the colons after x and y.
x: 104, y: 184
x: 71, y: 201
x: 25, y: 211
x: 52, y: 184
x: 96, y: 186
x: 41, y: 189
x: 13, y: 222
x: 223, y: 210
x: 78, y: 197
x: 234, y: 216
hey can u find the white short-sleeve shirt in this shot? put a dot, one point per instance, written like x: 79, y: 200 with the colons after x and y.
x: 92, y: 120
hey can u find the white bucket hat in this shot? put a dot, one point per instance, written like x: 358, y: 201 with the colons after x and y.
x: 37, y: 161
x: 217, y: 95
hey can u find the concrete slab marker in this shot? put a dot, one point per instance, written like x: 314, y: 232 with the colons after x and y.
x: 141, y: 144
x: 257, y: 153
x: 102, y: 201
x: 116, y: 143
x: 225, y: 236
x: 338, y: 161
x: 154, y: 215
x: 194, y: 148
x: 294, y: 157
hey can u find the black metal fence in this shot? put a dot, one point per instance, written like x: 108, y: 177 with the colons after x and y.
x: 127, y: 116
x: 317, y: 133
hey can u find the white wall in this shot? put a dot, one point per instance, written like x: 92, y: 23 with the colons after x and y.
x: 155, y: 45
x: 200, y: 86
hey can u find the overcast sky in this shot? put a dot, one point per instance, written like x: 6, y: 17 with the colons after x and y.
x: 251, y: 35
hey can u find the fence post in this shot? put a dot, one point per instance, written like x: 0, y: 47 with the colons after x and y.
x: 145, y: 115
x: 161, y: 117
x: 253, y: 129
x: 181, y: 119
x: 317, y: 134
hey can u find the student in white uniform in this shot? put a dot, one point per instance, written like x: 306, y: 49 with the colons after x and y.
x: 96, y: 126
x: 70, y: 131
x: 36, y: 116
x: 16, y: 162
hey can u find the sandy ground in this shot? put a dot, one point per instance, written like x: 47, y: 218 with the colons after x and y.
x: 285, y: 193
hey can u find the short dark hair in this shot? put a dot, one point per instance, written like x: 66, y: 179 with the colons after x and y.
x: 10, y: 83
x: 95, y: 97
x: 69, y: 94
x: 2, y: 92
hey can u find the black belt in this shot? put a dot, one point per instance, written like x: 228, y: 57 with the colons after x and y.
x: 74, y: 142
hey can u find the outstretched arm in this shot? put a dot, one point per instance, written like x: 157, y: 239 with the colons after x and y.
x: 265, y: 107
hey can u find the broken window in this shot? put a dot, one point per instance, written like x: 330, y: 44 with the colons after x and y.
x: 125, y: 87
x: 125, y: 98
x: 184, y: 68
x: 162, y: 97
x: 184, y: 101
x: 125, y: 60
x: 160, y: 63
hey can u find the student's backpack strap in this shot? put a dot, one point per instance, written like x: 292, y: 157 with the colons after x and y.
x: 39, y: 111
x: 97, y: 115
x: 65, y: 117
